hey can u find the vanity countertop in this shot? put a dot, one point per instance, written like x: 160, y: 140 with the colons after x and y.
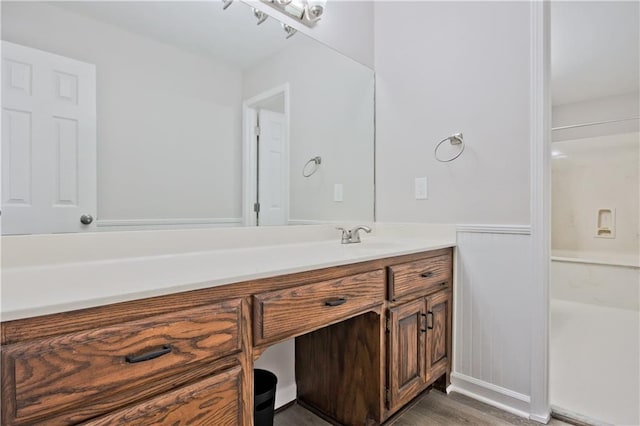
x: 35, y: 290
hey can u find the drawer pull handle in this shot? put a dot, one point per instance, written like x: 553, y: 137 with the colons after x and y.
x: 427, y: 274
x: 335, y: 302
x: 430, y: 327
x: 131, y: 359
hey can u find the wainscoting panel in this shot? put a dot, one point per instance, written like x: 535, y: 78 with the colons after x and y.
x: 492, y: 351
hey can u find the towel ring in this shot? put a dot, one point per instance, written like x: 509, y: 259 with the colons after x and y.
x: 316, y: 161
x: 455, y: 139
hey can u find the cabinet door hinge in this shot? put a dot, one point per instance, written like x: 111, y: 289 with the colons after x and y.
x: 387, y: 396
x: 256, y: 207
x: 387, y: 326
x: 257, y: 130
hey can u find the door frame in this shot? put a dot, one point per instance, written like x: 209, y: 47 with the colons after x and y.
x: 250, y: 151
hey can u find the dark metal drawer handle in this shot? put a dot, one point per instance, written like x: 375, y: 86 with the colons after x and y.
x: 424, y: 330
x: 430, y: 327
x: 335, y: 302
x: 149, y: 355
x: 427, y: 274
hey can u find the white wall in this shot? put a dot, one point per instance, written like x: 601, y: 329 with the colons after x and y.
x: 346, y: 26
x: 590, y: 174
x: 280, y: 359
x: 169, y: 122
x: 331, y: 103
x: 444, y: 67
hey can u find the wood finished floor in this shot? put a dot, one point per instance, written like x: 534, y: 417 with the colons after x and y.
x: 433, y: 408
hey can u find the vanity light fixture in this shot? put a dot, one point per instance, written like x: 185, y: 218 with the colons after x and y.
x: 260, y: 15
x: 306, y: 11
x: 289, y: 30
x: 316, y: 8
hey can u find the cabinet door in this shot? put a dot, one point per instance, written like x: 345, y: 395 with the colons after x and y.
x: 216, y: 400
x: 438, y: 334
x: 406, y: 362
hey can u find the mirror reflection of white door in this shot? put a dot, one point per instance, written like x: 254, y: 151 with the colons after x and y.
x: 272, y: 169
x: 48, y: 142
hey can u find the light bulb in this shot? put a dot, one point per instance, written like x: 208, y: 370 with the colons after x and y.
x: 316, y: 8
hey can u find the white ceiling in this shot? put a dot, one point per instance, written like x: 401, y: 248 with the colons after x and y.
x: 199, y: 26
x: 594, y: 49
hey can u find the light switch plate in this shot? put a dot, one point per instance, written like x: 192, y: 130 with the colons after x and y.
x: 421, y: 188
x: 337, y: 192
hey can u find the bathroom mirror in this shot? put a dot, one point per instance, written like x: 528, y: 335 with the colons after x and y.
x: 147, y: 115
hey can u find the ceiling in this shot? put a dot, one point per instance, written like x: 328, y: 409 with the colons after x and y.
x: 202, y: 27
x: 594, y: 49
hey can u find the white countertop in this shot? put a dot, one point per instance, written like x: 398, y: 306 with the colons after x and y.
x: 35, y: 290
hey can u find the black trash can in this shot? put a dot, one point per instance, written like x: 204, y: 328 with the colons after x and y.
x: 264, y: 398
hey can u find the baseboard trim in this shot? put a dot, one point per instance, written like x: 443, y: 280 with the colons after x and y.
x: 496, y: 396
x: 495, y: 229
x: 540, y: 419
x: 576, y: 419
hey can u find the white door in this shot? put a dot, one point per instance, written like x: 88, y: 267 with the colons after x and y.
x: 48, y: 142
x: 273, y: 170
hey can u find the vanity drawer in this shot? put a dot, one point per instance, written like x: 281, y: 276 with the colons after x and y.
x: 420, y: 275
x: 54, y: 374
x: 216, y: 400
x: 294, y: 311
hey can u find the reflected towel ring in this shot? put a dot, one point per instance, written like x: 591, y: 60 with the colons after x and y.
x: 316, y: 161
x: 455, y: 139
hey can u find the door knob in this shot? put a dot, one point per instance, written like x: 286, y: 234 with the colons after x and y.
x: 86, y: 219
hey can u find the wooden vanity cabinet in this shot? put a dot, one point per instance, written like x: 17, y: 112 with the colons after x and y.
x: 370, y: 337
x: 174, y: 361
x: 419, y: 334
x: 363, y: 371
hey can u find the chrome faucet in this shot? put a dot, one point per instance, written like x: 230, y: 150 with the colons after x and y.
x: 353, y: 235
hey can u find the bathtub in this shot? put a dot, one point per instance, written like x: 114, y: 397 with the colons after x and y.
x: 595, y: 321
x: 596, y: 278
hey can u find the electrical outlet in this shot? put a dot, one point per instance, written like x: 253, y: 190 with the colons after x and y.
x: 337, y: 192
x: 421, y: 188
